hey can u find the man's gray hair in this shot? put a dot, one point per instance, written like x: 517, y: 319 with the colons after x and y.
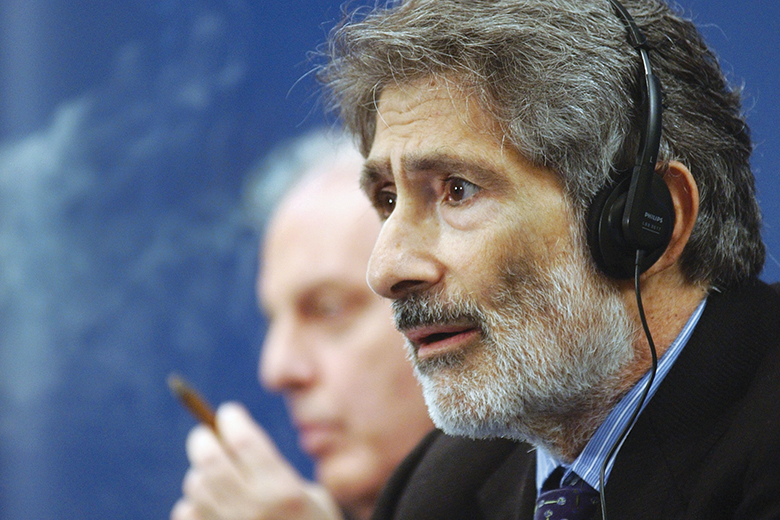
x: 286, y: 165
x: 561, y: 79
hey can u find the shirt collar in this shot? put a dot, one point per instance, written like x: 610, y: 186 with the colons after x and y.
x: 588, y: 464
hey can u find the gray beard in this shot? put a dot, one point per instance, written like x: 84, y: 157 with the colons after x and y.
x: 547, y: 367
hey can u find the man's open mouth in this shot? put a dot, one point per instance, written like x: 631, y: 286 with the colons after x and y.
x: 432, y: 339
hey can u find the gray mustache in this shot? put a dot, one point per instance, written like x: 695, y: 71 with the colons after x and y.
x: 420, y: 310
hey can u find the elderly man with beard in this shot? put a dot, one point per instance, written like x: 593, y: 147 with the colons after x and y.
x: 564, y: 254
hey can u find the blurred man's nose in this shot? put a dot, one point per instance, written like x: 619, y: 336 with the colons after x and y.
x: 284, y: 362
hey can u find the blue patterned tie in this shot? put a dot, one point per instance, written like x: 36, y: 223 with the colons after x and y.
x: 574, y: 501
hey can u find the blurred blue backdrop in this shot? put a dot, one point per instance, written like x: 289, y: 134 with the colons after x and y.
x: 126, y: 133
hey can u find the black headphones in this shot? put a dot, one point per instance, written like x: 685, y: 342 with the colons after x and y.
x: 635, y: 212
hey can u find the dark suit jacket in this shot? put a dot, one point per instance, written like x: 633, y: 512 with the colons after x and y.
x: 706, y: 447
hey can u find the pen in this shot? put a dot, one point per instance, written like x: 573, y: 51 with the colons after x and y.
x: 193, y: 402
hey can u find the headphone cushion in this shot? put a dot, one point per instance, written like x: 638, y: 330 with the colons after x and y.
x: 613, y: 255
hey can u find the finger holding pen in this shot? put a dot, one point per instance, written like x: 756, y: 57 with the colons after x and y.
x: 210, y: 480
x: 241, y: 475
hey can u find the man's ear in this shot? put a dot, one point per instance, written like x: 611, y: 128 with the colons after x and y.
x: 685, y: 198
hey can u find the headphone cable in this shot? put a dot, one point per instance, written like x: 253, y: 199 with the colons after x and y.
x: 640, y: 255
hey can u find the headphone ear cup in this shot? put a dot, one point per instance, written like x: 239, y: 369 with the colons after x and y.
x: 594, y: 228
x: 612, y: 253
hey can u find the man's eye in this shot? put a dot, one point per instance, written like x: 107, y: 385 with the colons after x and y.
x: 459, y: 190
x: 384, y: 201
x: 322, y: 308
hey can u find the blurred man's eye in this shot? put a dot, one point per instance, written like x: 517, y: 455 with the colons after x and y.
x: 333, y: 306
x: 322, y: 308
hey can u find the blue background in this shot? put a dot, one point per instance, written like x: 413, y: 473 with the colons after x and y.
x: 126, y: 133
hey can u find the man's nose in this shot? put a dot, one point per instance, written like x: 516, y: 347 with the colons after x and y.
x: 285, y: 364
x: 404, y: 258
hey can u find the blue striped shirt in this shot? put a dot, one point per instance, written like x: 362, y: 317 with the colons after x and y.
x: 588, y: 465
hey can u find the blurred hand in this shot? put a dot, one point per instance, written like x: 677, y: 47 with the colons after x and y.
x: 242, y: 476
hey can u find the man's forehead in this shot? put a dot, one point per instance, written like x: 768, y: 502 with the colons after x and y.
x: 428, y: 110
x: 418, y: 92
x: 339, y: 234
x: 434, y: 97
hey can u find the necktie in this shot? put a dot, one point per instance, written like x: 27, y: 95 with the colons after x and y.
x: 574, y: 501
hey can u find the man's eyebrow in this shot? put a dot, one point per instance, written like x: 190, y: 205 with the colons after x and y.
x: 443, y: 162
x: 373, y: 171
x: 436, y: 162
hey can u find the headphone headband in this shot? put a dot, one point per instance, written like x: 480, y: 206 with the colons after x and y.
x: 637, y: 214
x: 635, y: 230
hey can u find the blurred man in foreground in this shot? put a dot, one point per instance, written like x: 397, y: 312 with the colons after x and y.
x: 331, y: 349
